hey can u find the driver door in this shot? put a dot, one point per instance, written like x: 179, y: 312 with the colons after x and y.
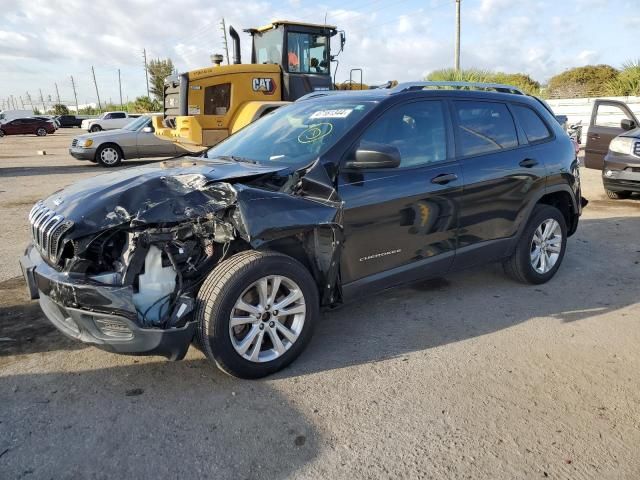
x: 400, y: 224
x: 151, y: 146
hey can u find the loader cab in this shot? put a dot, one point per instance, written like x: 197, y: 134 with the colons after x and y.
x: 303, y: 52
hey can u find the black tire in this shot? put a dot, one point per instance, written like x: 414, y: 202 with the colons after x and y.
x: 95, y: 128
x: 113, y: 159
x: 1, y: 133
x: 519, y: 266
x: 618, y: 195
x: 41, y: 132
x: 218, y: 295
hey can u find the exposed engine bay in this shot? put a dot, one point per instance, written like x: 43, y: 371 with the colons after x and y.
x: 157, y: 232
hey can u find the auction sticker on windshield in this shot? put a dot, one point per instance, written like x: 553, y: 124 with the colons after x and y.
x: 339, y: 113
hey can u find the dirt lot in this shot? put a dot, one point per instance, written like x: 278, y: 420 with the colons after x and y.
x: 469, y: 377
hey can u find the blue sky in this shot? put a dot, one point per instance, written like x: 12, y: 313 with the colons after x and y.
x: 46, y: 41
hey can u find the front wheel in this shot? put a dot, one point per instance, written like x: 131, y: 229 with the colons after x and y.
x: 541, y: 247
x: 618, y: 195
x: 109, y: 156
x: 256, y: 313
x: 1, y: 133
x: 41, y: 132
x: 95, y: 128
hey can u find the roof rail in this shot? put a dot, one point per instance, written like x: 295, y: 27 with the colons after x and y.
x: 404, y: 87
x: 319, y: 93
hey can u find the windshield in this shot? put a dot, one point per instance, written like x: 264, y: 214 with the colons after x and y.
x: 137, y: 124
x: 293, y: 134
x: 308, y: 53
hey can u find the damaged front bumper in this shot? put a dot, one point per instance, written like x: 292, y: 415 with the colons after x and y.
x: 98, y: 314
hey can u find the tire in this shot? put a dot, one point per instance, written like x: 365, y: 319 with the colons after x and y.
x: 233, y: 281
x: 618, y: 195
x: 1, y: 133
x: 520, y: 266
x: 109, y: 155
x: 95, y: 128
x: 41, y: 132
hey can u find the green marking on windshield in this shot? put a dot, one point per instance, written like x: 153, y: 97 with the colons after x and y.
x: 315, y: 132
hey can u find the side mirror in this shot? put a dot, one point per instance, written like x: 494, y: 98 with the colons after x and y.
x: 374, y: 155
x: 627, y: 124
x: 147, y: 130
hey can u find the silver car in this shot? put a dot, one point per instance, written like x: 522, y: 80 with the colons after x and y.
x: 134, y: 140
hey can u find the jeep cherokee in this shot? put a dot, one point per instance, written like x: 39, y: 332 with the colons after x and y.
x: 329, y: 199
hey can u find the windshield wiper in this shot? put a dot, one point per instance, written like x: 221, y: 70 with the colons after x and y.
x: 235, y: 158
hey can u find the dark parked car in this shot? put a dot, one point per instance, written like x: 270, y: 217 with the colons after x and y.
x: 27, y: 126
x: 324, y: 201
x: 69, y: 121
x: 621, y: 170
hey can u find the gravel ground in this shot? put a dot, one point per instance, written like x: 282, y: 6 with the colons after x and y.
x: 472, y: 376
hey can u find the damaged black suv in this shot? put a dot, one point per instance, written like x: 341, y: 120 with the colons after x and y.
x: 329, y: 199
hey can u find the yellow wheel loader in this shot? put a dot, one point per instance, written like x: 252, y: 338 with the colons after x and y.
x: 288, y: 60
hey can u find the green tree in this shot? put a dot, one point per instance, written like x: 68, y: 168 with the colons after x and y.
x: 520, y: 80
x: 627, y: 82
x: 60, y: 109
x: 143, y: 105
x: 588, y: 81
x: 159, y: 70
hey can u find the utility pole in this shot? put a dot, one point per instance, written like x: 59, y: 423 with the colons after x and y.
x: 44, y: 108
x: 457, y: 48
x: 224, y: 40
x: 57, y: 93
x: 120, y: 85
x: 21, y: 102
x: 75, y: 95
x: 96, y: 84
x: 146, y: 70
x: 30, y: 101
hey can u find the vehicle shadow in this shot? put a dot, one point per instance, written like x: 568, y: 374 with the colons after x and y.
x: 84, y: 167
x: 23, y: 327
x: 149, y: 420
x: 480, y: 301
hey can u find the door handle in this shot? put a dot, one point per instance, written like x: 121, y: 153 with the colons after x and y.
x: 444, y: 178
x: 528, y: 163
x: 594, y: 136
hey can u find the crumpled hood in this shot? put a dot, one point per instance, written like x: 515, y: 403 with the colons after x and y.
x: 165, y: 192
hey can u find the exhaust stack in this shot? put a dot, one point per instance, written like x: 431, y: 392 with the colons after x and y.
x: 236, y: 45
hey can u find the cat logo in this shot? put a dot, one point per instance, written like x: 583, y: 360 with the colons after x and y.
x: 264, y: 85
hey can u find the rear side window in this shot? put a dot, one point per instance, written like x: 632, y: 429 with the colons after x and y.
x: 118, y: 115
x: 484, y: 127
x: 216, y: 99
x: 533, y: 126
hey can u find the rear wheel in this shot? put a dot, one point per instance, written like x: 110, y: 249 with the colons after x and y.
x: 95, y: 128
x: 41, y: 132
x: 256, y: 313
x: 618, y: 195
x: 541, y: 247
x: 109, y: 156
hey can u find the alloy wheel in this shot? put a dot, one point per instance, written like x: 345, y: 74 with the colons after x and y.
x: 546, y: 246
x: 41, y: 132
x: 267, y: 318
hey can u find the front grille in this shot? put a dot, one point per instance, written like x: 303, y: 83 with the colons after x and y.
x: 74, y: 142
x: 636, y: 149
x: 47, y: 229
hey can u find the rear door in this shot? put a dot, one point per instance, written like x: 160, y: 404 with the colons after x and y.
x: 401, y: 223
x: 501, y: 172
x: 605, y: 125
x: 12, y: 127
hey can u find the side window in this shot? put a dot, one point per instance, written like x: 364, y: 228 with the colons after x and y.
x: 484, y: 127
x: 609, y: 115
x: 216, y: 99
x: 108, y: 116
x: 417, y: 130
x: 533, y: 126
x: 118, y: 115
